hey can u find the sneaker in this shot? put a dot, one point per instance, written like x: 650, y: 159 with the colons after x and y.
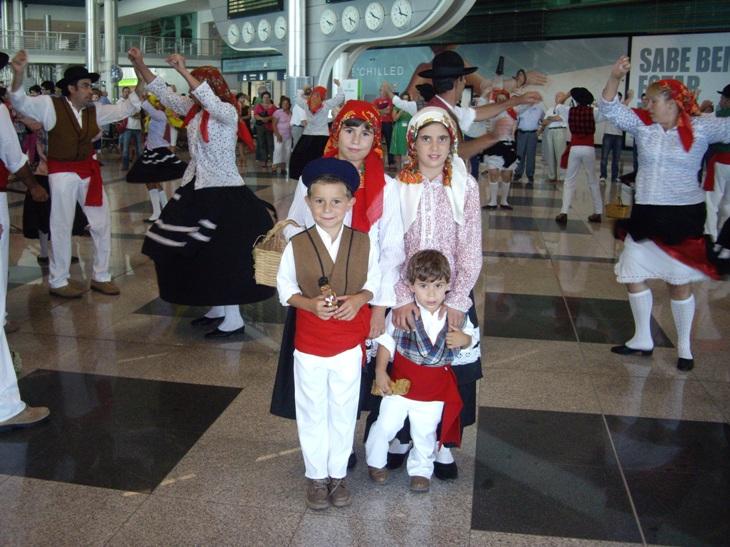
x: 378, y: 474
x: 30, y: 416
x: 67, y: 291
x: 105, y: 287
x: 317, y: 494
x: 420, y: 484
x: 339, y: 494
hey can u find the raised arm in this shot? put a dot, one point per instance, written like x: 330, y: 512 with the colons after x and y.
x: 156, y: 85
x: 39, y: 108
x: 338, y: 99
x: 491, y: 110
x: 618, y: 71
x: 618, y: 114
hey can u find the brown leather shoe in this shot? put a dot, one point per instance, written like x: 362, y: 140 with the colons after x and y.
x: 105, y: 287
x: 67, y: 291
x: 420, y: 484
x: 378, y: 474
x: 594, y: 218
x: 30, y: 416
x: 317, y: 494
x: 339, y: 494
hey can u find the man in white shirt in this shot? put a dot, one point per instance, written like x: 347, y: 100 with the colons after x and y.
x: 528, y: 120
x: 74, y: 173
x: 554, y: 137
x: 298, y: 121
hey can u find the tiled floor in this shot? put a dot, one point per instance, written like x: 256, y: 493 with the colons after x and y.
x: 158, y: 436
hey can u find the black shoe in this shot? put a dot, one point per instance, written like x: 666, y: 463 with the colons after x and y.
x: 506, y: 207
x: 74, y: 260
x: 217, y: 333
x: 685, y: 365
x: 44, y: 260
x: 562, y: 218
x: 395, y: 461
x: 204, y: 321
x: 626, y: 350
x: 490, y: 207
x: 530, y: 180
x: 445, y: 471
x: 594, y: 218
x: 352, y: 461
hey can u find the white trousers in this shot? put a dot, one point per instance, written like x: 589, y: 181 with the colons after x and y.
x: 424, y: 417
x: 67, y: 189
x: 282, y: 151
x: 553, y: 146
x: 581, y: 156
x: 718, y: 201
x: 10, y: 403
x: 326, y: 395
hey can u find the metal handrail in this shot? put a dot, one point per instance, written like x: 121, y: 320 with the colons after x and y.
x: 76, y: 42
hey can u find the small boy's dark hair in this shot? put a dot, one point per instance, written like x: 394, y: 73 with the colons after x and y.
x: 329, y: 179
x: 428, y: 265
x: 357, y: 122
x: 34, y: 89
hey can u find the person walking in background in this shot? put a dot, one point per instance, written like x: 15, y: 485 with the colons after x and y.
x: 262, y: 113
x: 282, y: 135
x: 528, y: 121
x: 612, y: 144
x: 554, y: 130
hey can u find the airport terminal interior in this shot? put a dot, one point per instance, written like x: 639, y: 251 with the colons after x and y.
x: 160, y: 436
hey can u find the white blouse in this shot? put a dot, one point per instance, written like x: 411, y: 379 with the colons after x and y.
x: 317, y: 123
x: 386, y: 237
x: 156, y: 130
x: 667, y: 172
x: 213, y: 163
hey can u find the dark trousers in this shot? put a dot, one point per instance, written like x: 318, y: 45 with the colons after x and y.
x: 387, y: 129
x: 264, y: 144
x: 473, y: 161
x: 611, y: 144
x: 526, y: 151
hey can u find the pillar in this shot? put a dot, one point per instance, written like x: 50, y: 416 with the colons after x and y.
x: 111, y: 54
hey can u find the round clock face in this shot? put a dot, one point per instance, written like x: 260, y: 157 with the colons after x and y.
x: 280, y: 27
x: 328, y: 21
x: 233, y: 34
x: 264, y: 30
x: 247, y: 31
x: 374, y: 15
x: 401, y: 13
x: 350, y: 19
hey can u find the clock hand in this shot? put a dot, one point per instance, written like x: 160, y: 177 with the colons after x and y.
x: 373, y: 15
x: 330, y: 23
x: 351, y: 20
x: 399, y: 11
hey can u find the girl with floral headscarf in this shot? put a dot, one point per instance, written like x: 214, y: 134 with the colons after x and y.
x: 316, y: 131
x: 355, y: 137
x: 202, y: 242
x: 663, y: 239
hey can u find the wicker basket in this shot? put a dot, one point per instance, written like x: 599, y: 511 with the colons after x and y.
x: 267, y: 253
x: 618, y: 210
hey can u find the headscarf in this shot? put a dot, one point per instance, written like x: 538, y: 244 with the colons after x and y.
x: 317, y: 98
x: 503, y: 93
x: 454, y: 174
x: 687, y: 104
x: 368, y: 206
x: 218, y: 84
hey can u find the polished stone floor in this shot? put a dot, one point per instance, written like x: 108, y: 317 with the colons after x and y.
x: 159, y: 437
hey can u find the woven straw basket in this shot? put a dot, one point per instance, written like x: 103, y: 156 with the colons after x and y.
x: 618, y: 210
x: 267, y: 253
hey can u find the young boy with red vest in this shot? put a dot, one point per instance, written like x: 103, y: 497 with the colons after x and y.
x: 423, y: 356
x: 328, y: 273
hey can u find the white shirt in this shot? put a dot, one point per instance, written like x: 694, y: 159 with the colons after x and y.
x: 10, y: 152
x: 528, y: 119
x: 465, y: 115
x: 317, y: 123
x: 156, y: 130
x: 432, y: 325
x: 286, y: 277
x: 478, y: 129
x: 667, y: 172
x: 561, y: 123
x: 298, y: 115
x: 41, y: 108
x: 213, y: 164
x: 386, y: 236
x: 411, y: 107
x: 610, y: 129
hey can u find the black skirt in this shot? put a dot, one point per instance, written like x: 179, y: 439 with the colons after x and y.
x: 670, y: 224
x: 37, y: 215
x: 504, y: 149
x: 158, y: 165
x: 202, y: 246
x: 308, y: 148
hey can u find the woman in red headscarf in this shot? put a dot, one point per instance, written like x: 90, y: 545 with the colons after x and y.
x: 355, y: 137
x: 202, y: 242
x: 316, y: 131
x: 664, y: 236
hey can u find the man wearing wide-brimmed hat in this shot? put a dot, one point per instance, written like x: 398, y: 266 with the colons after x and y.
x: 13, y: 411
x: 73, y: 171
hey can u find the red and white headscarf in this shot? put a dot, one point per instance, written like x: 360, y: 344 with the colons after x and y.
x: 368, y: 206
x: 317, y: 98
x: 688, y: 107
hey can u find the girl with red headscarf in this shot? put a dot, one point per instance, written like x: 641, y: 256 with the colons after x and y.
x: 316, y: 131
x: 664, y: 236
x: 356, y: 138
x: 202, y: 242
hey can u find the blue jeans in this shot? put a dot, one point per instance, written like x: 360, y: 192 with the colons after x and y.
x: 611, y: 144
x: 124, y: 141
x: 526, y: 151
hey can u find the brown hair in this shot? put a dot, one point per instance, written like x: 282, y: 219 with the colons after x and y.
x: 428, y: 265
x: 329, y: 179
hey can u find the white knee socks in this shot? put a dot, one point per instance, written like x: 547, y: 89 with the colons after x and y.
x: 683, y: 312
x: 155, y: 200
x: 215, y: 312
x: 641, y: 303
x: 493, y: 187
x: 162, y: 196
x: 505, y: 192
x: 232, y: 319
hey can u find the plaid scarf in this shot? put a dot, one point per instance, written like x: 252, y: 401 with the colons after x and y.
x: 416, y: 346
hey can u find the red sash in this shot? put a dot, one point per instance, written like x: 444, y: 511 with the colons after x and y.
x: 4, y: 174
x: 433, y: 384
x: 333, y: 336
x: 718, y: 157
x: 88, y: 168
